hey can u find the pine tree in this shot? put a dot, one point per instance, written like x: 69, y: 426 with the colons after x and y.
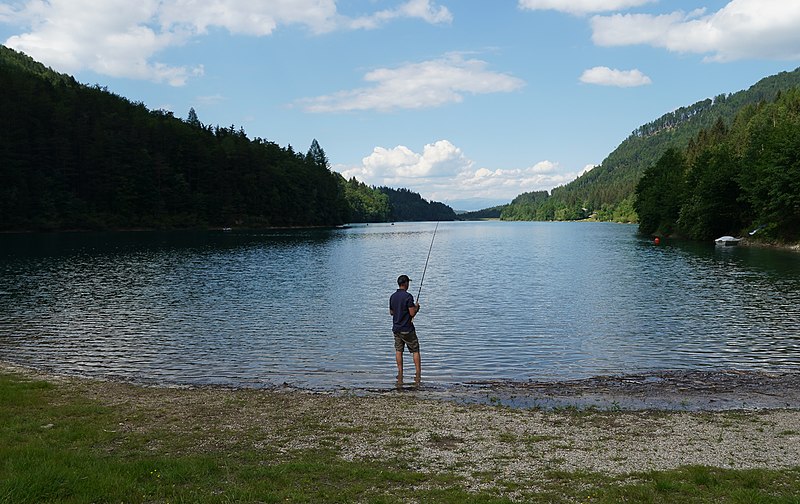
x: 192, y: 118
x: 317, y: 156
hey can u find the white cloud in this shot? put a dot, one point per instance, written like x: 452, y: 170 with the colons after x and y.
x: 420, y: 9
x: 417, y: 85
x: 263, y: 17
x: 211, y: 99
x: 509, y: 183
x: 7, y: 14
x: 605, y: 76
x: 423, y: 9
x: 743, y: 29
x: 388, y: 166
x: 581, y: 6
x: 246, y: 17
x: 442, y: 172
x: 121, y: 38
x: 111, y: 38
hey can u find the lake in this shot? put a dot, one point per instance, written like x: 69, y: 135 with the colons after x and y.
x: 512, y: 301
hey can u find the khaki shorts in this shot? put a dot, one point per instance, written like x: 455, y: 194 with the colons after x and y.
x: 402, y: 339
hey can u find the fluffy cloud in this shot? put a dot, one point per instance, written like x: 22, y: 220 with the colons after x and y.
x: 120, y: 38
x: 509, y: 183
x: 390, y: 166
x: 417, y: 85
x: 112, y: 38
x: 247, y: 17
x: 442, y: 171
x: 581, y: 6
x: 263, y: 17
x: 605, y: 76
x: 419, y: 9
x: 742, y: 29
x: 7, y: 14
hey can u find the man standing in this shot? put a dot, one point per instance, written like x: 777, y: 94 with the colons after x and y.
x: 403, y: 309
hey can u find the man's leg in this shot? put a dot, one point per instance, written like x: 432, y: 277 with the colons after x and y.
x: 418, y: 365
x: 398, y: 356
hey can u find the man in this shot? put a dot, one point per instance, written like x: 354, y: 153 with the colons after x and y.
x: 403, y: 309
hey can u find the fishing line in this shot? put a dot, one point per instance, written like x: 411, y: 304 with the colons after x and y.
x: 426, y: 260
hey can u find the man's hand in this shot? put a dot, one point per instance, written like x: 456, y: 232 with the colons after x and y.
x: 417, y: 305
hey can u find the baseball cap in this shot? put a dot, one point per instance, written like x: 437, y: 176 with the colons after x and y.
x: 402, y: 279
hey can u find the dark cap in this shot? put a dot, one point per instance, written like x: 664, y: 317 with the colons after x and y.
x: 402, y: 279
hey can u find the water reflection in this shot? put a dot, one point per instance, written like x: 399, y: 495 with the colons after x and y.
x: 514, y: 301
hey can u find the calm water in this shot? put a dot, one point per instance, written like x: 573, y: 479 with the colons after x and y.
x: 500, y: 301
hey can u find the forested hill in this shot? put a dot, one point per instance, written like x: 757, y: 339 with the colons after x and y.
x: 730, y: 180
x: 79, y: 157
x: 607, y: 191
x: 406, y: 205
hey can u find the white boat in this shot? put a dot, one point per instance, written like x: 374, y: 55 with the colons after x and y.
x: 727, y: 241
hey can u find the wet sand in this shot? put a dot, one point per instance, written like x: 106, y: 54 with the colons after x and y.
x: 667, y: 390
x: 677, y: 390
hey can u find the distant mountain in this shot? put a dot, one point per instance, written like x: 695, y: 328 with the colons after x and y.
x: 406, y: 205
x: 486, y: 213
x: 475, y: 204
x: 607, y: 191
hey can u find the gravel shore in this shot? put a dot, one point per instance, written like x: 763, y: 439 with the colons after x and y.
x: 485, y: 444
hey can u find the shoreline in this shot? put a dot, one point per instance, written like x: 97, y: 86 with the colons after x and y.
x: 179, y: 229
x: 745, y: 243
x: 791, y: 247
x: 663, y: 391
x: 685, y: 390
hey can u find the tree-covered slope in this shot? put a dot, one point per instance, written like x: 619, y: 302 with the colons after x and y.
x: 730, y: 179
x: 608, y: 190
x: 75, y: 156
x: 406, y: 205
x: 79, y: 157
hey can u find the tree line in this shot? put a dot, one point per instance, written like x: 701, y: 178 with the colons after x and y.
x: 730, y: 179
x: 74, y: 156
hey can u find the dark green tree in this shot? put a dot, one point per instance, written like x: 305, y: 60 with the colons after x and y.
x: 713, y: 205
x: 192, y: 119
x: 660, y: 193
x: 316, y: 155
x: 771, y: 182
x: 367, y: 204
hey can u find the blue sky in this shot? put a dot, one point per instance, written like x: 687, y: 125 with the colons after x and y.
x: 471, y: 102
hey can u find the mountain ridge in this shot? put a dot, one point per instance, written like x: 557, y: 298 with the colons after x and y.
x: 607, y: 191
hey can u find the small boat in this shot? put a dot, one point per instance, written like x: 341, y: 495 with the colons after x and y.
x: 727, y: 241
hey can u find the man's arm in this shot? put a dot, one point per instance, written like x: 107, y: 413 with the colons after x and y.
x: 412, y: 310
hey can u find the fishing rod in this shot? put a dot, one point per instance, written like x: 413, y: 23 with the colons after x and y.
x: 426, y: 260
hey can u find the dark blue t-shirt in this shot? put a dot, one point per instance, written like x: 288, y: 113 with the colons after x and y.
x: 399, y: 302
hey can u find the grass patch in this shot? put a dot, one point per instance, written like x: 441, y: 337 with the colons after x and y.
x: 707, y: 485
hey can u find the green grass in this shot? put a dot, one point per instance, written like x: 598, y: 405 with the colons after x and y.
x: 58, y: 445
